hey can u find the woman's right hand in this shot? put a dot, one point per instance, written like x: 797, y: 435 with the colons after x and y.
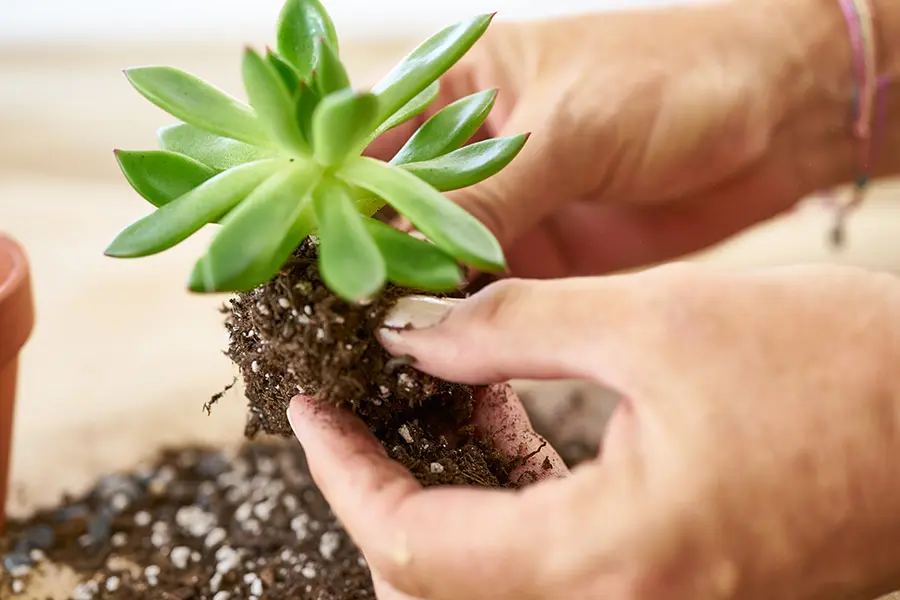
x: 755, y: 457
x: 656, y: 133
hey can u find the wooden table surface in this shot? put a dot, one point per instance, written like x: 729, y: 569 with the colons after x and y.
x: 122, y: 358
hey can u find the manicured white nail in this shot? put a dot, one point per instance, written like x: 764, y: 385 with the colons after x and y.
x: 418, y: 312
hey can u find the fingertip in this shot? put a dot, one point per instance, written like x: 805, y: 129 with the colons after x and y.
x: 501, y: 417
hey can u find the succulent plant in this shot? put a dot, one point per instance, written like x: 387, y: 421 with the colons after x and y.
x: 289, y: 165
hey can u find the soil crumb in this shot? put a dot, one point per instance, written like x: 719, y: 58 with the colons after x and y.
x: 293, y: 336
x: 194, y: 524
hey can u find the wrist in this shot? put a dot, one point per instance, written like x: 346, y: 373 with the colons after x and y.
x: 806, y: 58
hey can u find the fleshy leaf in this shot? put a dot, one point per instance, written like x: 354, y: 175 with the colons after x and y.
x: 160, y: 176
x: 427, y: 63
x: 197, y: 102
x: 177, y: 220
x: 330, y: 73
x: 240, y: 255
x: 341, y: 123
x: 213, y: 150
x: 300, y: 24
x: 349, y: 260
x: 286, y: 71
x: 305, y: 103
x: 414, y: 263
x: 411, y: 109
x: 448, y: 129
x: 468, y: 165
x: 272, y: 102
x: 441, y: 220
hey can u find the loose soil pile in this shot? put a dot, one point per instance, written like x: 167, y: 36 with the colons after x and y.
x: 195, y: 524
x: 293, y: 336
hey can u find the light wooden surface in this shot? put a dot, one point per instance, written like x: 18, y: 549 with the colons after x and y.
x: 122, y: 358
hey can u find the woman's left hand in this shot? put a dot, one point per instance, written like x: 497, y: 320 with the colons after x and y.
x: 754, y: 458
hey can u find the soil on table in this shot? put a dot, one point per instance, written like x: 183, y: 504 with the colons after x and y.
x: 195, y: 524
x: 203, y: 524
x: 293, y: 336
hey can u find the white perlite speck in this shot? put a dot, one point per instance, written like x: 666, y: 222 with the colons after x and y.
x: 243, y: 512
x: 256, y: 588
x: 405, y: 380
x: 120, y: 501
x: 142, y: 518
x: 17, y: 586
x: 329, y: 544
x: 112, y: 584
x: 228, y: 559
x: 215, y: 582
x: 223, y: 595
x: 195, y: 520
x: 436, y: 467
x: 85, y: 591
x: 152, y: 574
x: 263, y: 511
x: 254, y: 366
x: 159, y: 539
x: 119, y: 539
x: 180, y: 556
x: 308, y: 570
x: 283, y: 303
x: 300, y: 525
x: 215, y: 537
x: 405, y: 434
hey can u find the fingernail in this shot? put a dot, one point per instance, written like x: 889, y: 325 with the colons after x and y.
x: 418, y: 312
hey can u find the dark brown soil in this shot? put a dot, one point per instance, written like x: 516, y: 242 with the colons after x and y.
x: 200, y: 524
x: 195, y: 524
x: 293, y: 336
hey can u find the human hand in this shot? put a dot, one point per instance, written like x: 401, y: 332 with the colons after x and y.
x: 753, y: 459
x: 655, y: 133
x: 340, y: 443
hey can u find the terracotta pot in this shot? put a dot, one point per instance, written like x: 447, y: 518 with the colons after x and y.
x: 16, y: 322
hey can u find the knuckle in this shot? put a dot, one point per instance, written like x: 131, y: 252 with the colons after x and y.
x: 500, y: 301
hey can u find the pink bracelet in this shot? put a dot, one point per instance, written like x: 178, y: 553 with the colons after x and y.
x: 868, y: 106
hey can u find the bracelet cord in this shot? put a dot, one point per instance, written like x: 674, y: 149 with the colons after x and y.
x: 868, y: 106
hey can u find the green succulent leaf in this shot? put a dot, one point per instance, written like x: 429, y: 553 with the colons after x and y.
x: 213, y: 150
x: 349, y: 260
x: 273, y: 103
x: 300, y: 24
x: 341, y: 123
x: 305, y: 103
x: 411, y: 109
x: 197, y: 102
x: 468, y: 165
x: 240, y: 255
x: 414, y: 263
x: 330, y: 74
x: 448, y: 129
x: 442, y: 221
x: 160, y: 176
x: 427, y: 63
x: 176, y: 221
x: 288, y: 73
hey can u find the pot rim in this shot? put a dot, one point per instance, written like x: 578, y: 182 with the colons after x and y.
x: 16, y: 304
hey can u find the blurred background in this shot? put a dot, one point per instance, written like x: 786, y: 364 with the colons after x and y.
x: 122, y: 358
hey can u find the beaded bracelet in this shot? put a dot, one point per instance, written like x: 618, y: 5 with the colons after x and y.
x: 868, y: 105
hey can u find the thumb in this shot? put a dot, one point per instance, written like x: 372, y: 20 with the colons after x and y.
x: 517, y: 198
x: 599, y: 328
